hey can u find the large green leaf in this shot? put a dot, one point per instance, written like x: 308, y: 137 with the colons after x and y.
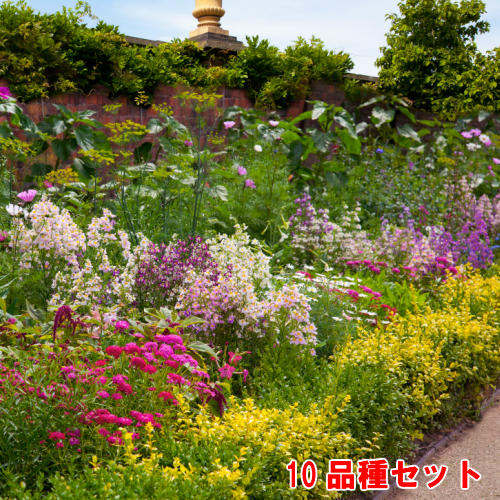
x: 224, y: 173
x: 84, y: 137
x: 63, y: 148
x: 352, y: 145
x: 407, y: 131
x: 381, y: 116
x: 155, y: 126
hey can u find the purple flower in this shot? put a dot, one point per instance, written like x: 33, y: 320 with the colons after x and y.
x: 229, y: 125
x: 28, y: 196
x: 5, y: 93
x: 249, y: 183
x: 379, y: 151
x: 74, y: 441
x: 242, y: 171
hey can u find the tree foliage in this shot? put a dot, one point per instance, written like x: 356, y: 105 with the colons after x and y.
x: 432, y: 59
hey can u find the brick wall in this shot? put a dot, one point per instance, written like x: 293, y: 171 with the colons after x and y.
x: 38, y: 109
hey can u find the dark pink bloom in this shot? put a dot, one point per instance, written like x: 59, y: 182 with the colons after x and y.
x: 116, y: 397
x: 124, y: 388
x: 5, y: 93
x: 133, y: 348
x: 121, y: 325
x: 56, y: 436
x: 395, y: 270
x: 138, y: 363
x: 103, y: 394
x: 74, y: 441
x: 245, y: 375
x: 114, y: 351
x: 60, y: 445
x: 104, y: 432
x: 249, y: 183
x: 149, y: 369
x: 227, y: 371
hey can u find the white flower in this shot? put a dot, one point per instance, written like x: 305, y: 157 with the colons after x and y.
x: 14, y: 210
x: 472, y: 147
x: 258, y: 148
x: 484, y: 138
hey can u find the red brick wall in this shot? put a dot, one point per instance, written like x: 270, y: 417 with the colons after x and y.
x: 98, y: 97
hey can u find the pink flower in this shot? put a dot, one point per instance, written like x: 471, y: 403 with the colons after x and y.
x: 475, y: 132
x: 249, y: 183
x: 47, y: 184
x: 234, y: 358
x: 122, y: 325
x: 395, y: 270
x: 273, y: 123
x: 467, y: 135
x: 60, y: 445
x: 116, y: 397
x: 74, y: 441
x: 28, y: 196
x: 103, y: 394
x: 496, y: 161
x: 56, y: 436
x: 115, y: 351
x: 245, y: 375
x: 5, y: 93
x: 104, y: 432
x: 188, y: 143
x: 227, y: 371
x: 242, y: 171
x: 375, y: 270
x: 229, y: 125
x: 138, y: 363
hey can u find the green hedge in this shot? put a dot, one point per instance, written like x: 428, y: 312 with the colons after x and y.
x: 45, y: 54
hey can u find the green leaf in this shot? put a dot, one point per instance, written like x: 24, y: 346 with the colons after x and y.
x: 85, y: 167
x: 155, y: 126
x: 143, y: 153
x: 381, y: 116
x: 63, y: 148
x: 318, y: 110
x: 407, y: 131
x: 201, y: 347
x: 408, y: 113
x: 352, y: 145
x: 224, y: 173
x: 84, y: 137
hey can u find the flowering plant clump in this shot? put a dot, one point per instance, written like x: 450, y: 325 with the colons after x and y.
x: 314, y: 235
x: 165, y: 269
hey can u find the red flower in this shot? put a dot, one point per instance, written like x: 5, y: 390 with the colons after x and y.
x: 56, y: 436
x: 138, y: 363
x: 114, y: 351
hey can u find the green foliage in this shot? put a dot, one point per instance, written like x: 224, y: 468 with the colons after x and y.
x: 275, y: 78
x: 44, y: 54
x: 431, y: 57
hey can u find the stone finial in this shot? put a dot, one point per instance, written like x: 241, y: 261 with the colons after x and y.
x: 208, y: 13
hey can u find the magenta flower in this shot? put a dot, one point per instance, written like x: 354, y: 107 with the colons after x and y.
x: 56, y: 436
x: 242, y: 171
x: 375, y: 270
x: 249, y: 183
x: 115, y: 351
x: 467, y: 135
x: 227, y: 371
x: 395, y: 270
x: 122, y: 325
x: 229, y: 125
x: 5, y: 93
x: 188, y: 143
x: 47, y: 184
x: 103, y: 394
x: 74, y: 441
x: 245, y: 375
x: 475, y: 132
x: 104, y: 432
x: 496, y: 161
x: 28, y: 196
x: 273, y: 123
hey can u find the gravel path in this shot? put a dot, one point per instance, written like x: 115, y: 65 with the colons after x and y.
x: 481, y: 446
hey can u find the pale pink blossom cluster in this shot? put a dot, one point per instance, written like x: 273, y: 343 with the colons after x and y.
x: 48, y: 231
